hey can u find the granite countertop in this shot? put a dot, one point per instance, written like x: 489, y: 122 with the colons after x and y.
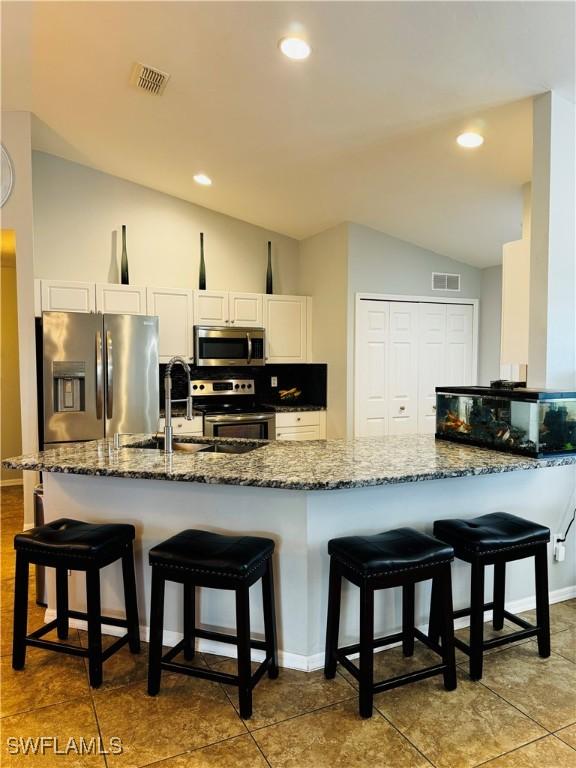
x: 307, y: 465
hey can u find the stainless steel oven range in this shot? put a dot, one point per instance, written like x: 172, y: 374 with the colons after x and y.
x: 229, y: 408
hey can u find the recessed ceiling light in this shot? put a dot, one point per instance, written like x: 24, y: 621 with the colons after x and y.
x: 201, y: 178
x: 470, y: 140
x: 295, y: 48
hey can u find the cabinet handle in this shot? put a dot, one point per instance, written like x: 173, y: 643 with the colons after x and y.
x: 232, y: 321
x: 298, y: 418
x: 402, y: 407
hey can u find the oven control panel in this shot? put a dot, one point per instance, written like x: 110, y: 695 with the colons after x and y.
x: 223, y: 387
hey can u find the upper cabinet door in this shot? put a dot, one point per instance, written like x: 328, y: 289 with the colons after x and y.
x: 67, y: 296
x: 246, y: 309
x: 285, y: 320
x: 211, y: 308
x: 120, y: 299
x: 174, y: 309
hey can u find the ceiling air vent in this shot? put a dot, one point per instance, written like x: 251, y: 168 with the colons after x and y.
x: 442, y: 281
x: 149, y: 79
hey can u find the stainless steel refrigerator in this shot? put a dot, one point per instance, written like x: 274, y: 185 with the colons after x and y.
x: 100, y: 375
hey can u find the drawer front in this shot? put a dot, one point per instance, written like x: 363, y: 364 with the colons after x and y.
x: 182, y: 426
x: 298, y: 419
x: 298, y: 433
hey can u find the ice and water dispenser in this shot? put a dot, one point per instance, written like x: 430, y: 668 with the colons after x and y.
x: 69, y: 386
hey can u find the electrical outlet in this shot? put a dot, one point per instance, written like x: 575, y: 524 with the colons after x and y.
x: 273, y: 381
x: 559, y: 548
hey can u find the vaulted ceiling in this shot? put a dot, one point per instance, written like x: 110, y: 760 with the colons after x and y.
x: 363, y: 131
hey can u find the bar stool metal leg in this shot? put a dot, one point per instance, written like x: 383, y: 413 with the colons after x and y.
x: 130, y: 600
x: 408, y: 619
x: 366, y: 649
x: 447, y: 611
x: 542, y: 600
x: 62, y: 603
x: 93, y: 610
x: 333, y: 620
x: 156, y: 628
x: 499, y: 592
x: 243, y: 641
x: 476, y: 619
x: 189, y: 620
x: 269, y: 604
x: 20, y: 612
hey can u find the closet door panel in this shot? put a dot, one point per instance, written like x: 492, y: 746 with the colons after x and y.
x: 431, y: 363
x: 402, y: 374
x: 371, y: 368
x: 459, y: 338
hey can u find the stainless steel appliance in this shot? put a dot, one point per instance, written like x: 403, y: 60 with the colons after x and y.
x: 229, y: 409
x: 100, y: 375
x: 228, y: 346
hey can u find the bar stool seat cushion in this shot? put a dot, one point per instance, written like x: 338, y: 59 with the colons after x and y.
x: 213, y: 553
x: 491, y: 533
x: 69, y: 538
x: 400, y: 549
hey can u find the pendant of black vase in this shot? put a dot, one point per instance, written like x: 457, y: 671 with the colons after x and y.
x: 124, y: 260
x: 269, y: 279
x: 202, y: 272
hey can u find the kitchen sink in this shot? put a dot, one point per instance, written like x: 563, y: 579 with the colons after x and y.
x: 218, y: 449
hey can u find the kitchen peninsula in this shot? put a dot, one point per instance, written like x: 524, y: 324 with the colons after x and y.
x: 301, y: 494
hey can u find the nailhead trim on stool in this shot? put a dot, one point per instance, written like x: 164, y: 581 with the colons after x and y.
x: 238, y: 562
x: 496, y: 539
x: 65, y: 545
x: 397, y: 558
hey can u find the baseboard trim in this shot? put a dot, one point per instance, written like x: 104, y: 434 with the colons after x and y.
x: 8, y: 483
x: 299, y: 661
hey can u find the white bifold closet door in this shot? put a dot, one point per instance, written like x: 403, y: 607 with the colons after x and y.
x: 404, y: 350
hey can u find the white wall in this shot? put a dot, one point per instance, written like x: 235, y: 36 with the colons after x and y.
x: 379, y: 263
x: 17, y: 215
x: 78, y: 213
x: 490, y: 325
x: 324, y: 276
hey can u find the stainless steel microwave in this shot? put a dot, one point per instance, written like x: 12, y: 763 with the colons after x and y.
x: 215, y: 345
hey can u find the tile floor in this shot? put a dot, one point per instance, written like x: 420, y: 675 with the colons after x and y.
x: 522, y: 714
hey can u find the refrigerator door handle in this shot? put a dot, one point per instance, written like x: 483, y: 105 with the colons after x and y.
x: 99, y: 374
x: 109, y: 376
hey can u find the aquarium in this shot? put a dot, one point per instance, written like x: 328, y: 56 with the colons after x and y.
x: 525, y: 421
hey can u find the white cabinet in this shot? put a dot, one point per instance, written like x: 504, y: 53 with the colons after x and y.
x: 182, y: 426
x: 223, y: 308
x: 246, y: 309
x: 174, y: 308
x: 211, y: 308
x: 120, y: 299
x: 67, y: 296
x: 301, y: 425
x: 286, y: 324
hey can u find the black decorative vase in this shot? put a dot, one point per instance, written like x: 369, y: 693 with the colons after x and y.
x: 202, y: 273
x: 124, y: 260
x: 269, y: 281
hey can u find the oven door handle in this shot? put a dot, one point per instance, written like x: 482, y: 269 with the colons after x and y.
x: 249, y: 340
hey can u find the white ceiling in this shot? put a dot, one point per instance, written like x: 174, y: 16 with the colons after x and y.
x: 363, y: 131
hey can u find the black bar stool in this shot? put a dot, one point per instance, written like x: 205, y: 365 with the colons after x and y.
x: 496, y: 539
x: 204, y: 559
x: 74, y: 545
x: 400, y: 557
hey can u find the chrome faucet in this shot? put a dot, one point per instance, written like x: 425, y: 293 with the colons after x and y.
x: 168, y: 434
